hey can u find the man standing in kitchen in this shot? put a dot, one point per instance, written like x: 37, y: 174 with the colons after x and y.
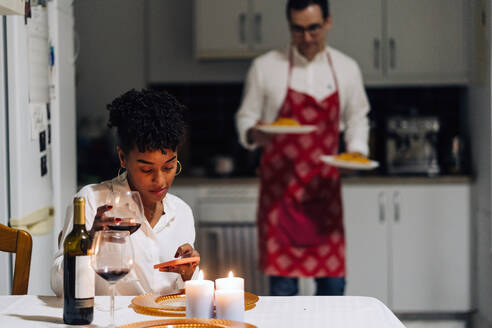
x: 300, y: 215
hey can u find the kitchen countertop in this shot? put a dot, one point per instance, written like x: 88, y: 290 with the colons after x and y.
x: 383, y: 179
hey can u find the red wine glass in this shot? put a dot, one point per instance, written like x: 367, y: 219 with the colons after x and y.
x: 112, y: 258
x: 127, y: 212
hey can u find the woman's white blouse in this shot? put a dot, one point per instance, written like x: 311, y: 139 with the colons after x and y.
x: 151, y: 245
x: 266, y: 88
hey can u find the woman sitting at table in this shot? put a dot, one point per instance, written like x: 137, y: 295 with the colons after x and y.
x: 150, y: 126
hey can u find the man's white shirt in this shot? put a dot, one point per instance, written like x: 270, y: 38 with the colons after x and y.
x: 266, y: 88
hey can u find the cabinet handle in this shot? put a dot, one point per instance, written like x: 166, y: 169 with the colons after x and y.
x: 392, y: 49
x: 396, y: 204
x: 258, y: 21
x: 242, y: 27
x: 377, y: 48
x: 381, y: 201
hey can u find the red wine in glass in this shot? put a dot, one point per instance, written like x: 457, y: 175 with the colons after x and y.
x: 112, y: 275
x: 112, y: 258
x: 123, y: 224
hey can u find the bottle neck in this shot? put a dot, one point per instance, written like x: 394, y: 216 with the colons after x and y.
x: 77, y: 220
x: 79, y: 212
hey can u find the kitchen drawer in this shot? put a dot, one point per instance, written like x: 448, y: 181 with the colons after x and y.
x: 228, y: 192
x: 228, y: 211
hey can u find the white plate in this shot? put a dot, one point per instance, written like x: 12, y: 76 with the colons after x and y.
x: 330, y: 159
x: 286, y: 128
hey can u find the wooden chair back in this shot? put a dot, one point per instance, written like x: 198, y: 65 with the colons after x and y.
x: 18, y: 242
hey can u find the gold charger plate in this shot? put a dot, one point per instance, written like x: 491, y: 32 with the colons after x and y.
x: 146, y: 304
x: 174, y: 305
x: 189, y: 323
x: 177, y: 302
x: 157, y: 312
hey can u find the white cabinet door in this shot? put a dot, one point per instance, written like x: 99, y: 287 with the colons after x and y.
x: 357, y: 31
x: 431, y: 248
x: 221, y: 27
x: 426, y: 41
x: 270, y: 29
x: 366, y: 231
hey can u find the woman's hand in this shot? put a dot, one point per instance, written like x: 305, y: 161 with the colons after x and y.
x: 185, y: 270
x: 100, y: 220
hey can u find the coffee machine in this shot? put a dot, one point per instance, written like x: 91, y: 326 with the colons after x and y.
x: 411, y: 145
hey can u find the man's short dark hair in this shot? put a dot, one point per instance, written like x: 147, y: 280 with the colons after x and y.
x: 303, y: 4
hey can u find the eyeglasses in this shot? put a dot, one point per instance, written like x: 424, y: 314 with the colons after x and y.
x: 312, y: 29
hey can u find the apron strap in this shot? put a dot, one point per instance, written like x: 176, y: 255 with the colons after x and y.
x: 291, y: 65
x: 332, y: 70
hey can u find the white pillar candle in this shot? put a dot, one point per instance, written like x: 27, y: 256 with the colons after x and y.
x: 230, y: 282
x: 229, y: 304
x: 229, y: 298
x: 199, y: 298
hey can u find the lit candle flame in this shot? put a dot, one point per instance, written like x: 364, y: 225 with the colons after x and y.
x: 230, y: 274
x: 200, y: 275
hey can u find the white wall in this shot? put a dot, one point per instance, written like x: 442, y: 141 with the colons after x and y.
x: 481, y: 133
x: 111, y: 58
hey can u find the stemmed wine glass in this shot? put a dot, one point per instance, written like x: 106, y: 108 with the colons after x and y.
x: 127, y: 211
x: 112, y: 258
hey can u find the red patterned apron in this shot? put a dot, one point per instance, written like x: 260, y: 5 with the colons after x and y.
x: 300, y: 215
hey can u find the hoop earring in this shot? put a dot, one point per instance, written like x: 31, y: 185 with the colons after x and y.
x: 120, y: 175
x: 179, y: 169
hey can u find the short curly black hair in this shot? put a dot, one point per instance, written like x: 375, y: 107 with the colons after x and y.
x: 148, y: 119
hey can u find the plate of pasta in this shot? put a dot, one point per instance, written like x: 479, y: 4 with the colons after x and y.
x: 352, y: 161
x: 286, y: 125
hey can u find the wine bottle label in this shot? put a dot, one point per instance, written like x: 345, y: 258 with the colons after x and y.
x: 83, y: 303
x: 84, y: 277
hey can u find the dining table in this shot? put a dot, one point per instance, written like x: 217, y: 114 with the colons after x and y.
x: 270, y: 311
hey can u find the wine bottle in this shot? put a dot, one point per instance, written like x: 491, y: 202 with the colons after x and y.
x: 78, y: 275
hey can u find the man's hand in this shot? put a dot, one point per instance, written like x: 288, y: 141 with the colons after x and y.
x: 258, y: 137
x: 185, y: 270
x: 349, y: 172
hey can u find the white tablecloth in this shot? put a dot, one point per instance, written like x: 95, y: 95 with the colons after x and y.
x: 294, y: 311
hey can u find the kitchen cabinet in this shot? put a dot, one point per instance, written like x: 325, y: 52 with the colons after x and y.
x: 405, y: 42
x: 409, y: 245
x: 367, y: 244
x: 426, y: 41
x: 220, y: 28
x: 356, y: 30
x: 271, y: 29
x: 238, y: 28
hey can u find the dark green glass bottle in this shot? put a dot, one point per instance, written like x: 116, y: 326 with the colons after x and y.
x: 78, y: 275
